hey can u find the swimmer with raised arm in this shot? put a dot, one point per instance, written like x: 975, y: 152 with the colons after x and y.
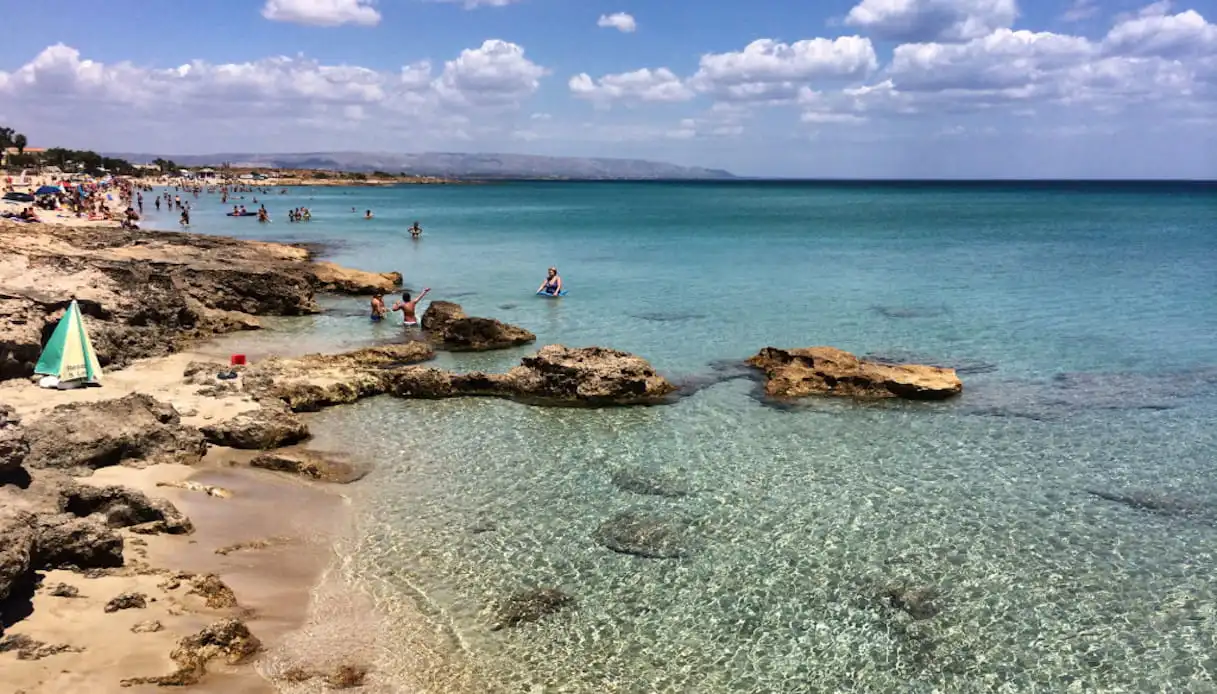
x: 408, y: 306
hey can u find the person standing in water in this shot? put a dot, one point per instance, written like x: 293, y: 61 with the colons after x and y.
x: 408, y: 306
x: 367, y: 215
x: 552, y: 284
x: 416, y: 231
x: 378, y: 308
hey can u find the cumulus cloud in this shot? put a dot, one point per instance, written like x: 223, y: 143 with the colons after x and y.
x: 273, y: 93
x: 767, y: 70
x: 326, y: 13
x: 640, y: 85
x: 620, y: 21
x: 1147, y: 59
x: 932, y: 20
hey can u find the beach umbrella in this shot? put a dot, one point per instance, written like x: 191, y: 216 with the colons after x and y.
x: 48, y: 190
x: 68, y: 358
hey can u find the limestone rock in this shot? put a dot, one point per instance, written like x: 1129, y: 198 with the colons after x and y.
x: 17, y: 546
x: 448, y: 327
x: 310, y: 383
x: 134, y: 430
x: 31, y: 649
x: 229, y: 639
x: 149, y: 627
x: 65, y: 540
x: 63, y: 590
x: 214, y: 592
x: 645, y: 534
x: 589, y: 375
x: 13, y: 445
x: 127, y: 601
x: 797, y: 373
x: 530, y: 606
x: 123, y: 507
x: 310, y: 464
x: 269, y: 426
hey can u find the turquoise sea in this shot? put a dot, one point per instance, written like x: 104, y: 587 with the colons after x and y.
x: 1062, y: 513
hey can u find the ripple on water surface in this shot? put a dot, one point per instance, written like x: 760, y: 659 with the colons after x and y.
x: 834, y: 548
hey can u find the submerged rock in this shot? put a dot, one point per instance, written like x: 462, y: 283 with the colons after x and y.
x: 229, y: 639
x: 649, y: 481
x: 310, y: 464
x: 829, y: 371
x: 448, y: 327
x: 123, y: 507
x: 341, y: 677
x: 530, y: 606
x: 63, y: 590
x: 127, y: 601
x: 135, y: 430
x: 270, y: 425
x: 919, y: 602
x: 150, y: 626
x: 645, y: 534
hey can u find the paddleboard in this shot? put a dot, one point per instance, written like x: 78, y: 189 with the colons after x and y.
x: 552, y: 296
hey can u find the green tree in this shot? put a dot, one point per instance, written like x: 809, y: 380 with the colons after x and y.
x: 6, y: 137
x: 20, y: 142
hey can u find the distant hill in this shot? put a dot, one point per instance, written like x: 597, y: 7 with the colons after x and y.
x: 450, y: 164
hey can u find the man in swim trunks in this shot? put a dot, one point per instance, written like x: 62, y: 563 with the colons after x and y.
x: 378, y: 308
x: 407, y: 307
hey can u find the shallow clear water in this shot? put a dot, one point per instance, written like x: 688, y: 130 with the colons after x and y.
x: 1083, y: 322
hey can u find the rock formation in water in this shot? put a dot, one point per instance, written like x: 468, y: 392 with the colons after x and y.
x: 135, y: 430
x: 648, y: 481
x: 271, y: 425
x: 555, y: 375
x: 145, y: 293
x: 795, y: 373
x: 312, y: 465
x: 646, y: 534
x: 448, y: 328
x: 530, y: 606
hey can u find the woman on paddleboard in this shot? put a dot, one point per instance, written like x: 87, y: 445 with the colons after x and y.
x: 552, y: 284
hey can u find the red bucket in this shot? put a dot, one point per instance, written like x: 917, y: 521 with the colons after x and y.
x: 237, y: 360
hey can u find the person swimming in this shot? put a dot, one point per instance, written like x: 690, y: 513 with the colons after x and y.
x: 367, y: 215
x: 378, y: 308
x: 416, y: 231
x: 408, y: 306
x: 552, y: 284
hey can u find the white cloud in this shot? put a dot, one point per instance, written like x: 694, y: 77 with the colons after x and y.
x: 640, y: 85
x: 326, y: 13
x: 620, y: 21
x: 271, y: 94
x: 495, y: 73
x: 932, y: 20
x: 769, y: 70
x: 1173, y: 36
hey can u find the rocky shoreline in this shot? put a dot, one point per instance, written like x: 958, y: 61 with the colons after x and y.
x: 164, y: 412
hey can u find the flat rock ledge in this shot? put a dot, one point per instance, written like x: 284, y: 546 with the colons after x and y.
x: 449, y: 329
x: 554, y: 376
x: 796, y: 373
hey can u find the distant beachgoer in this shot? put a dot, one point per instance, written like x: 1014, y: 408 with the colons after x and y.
x: 378, y: 308
x: 367, y: 215
x: 158, y: 204
x: 552, y: 284
x: 185, y: 220
x: 416, y: 231
x: 407, y: 307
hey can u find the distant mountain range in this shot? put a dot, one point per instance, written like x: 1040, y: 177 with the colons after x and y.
x: 449, y: 165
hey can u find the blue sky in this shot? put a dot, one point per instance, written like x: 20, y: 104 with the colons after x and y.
x: 853, y: 88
